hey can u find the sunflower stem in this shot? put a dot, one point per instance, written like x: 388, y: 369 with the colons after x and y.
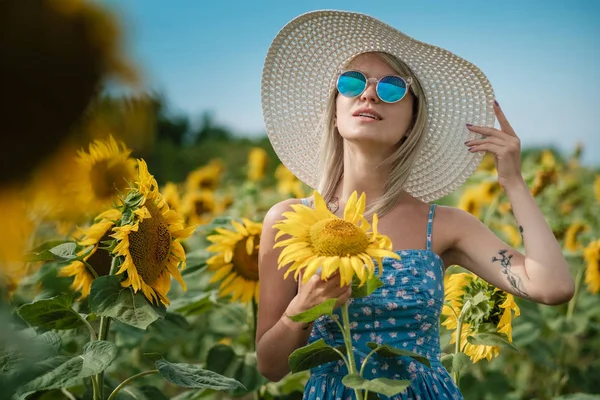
x: 102, y: 335
x: 560, y: 375
x: 126, y: 382
x: 455, y: 373
x: 348, y: 340
x: 90, y: 269
x: 254, y: 319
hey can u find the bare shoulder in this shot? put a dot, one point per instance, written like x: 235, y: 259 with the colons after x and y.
x: 275, y: 213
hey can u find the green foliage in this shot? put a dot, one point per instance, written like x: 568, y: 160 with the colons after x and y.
x: 109, y: 299
x: 384, y: 386
x: 313, y: 355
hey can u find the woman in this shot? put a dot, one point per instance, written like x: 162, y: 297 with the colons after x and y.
x: 352, y: 104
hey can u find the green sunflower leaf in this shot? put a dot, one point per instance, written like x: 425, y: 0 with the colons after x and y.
x: 109, y: 299
x: 372, y: 284
x: 384, y: 386
x: 313, y: 355
x: 389, y: 351
x: 455, y: 361
x: 223, y: 360
x: 192, y: 376
x: 62, y: 371
x: 60, y: 252
x: 325, y: 308
x: 491, y: 339
x: 52, y: 313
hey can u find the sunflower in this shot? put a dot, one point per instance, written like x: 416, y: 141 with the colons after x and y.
x: 205, y: 178
x: 15, y: 236
x: 591, y: 254
x: 494, y: 315
x: 571, y: 235
x: 199, y: 207
x: 287, y: 183
x: 99, y: 259
x: 320, y: 238
x: 106, y: 170
x: 171, y: 195
x: 236, y: 263
x: 543, y: 178
x: 149, y: 240
x: 513, y: 234
x: 257, y: 164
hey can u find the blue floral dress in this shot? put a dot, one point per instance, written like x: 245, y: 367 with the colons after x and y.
x: 403, y: 313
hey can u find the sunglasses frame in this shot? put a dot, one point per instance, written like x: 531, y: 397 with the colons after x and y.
x: 407, y: 82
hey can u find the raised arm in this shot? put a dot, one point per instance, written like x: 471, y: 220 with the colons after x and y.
x: 542, y: 273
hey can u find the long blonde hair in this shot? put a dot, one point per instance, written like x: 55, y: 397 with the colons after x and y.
x: 402, y: 160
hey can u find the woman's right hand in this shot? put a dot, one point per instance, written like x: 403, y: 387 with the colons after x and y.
x: 316, y: 291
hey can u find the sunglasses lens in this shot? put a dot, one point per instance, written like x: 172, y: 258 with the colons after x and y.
x: 391, y: 89
x: 351, y: 83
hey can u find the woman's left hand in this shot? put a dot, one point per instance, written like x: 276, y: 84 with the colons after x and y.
x: 504, y: 144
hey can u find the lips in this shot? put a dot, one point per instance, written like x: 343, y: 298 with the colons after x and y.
x: 368, y: 113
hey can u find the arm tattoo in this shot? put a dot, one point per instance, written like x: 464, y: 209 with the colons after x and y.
x: 515, y: 280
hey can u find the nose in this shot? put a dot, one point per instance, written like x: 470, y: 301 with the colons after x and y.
x: 370, y: 93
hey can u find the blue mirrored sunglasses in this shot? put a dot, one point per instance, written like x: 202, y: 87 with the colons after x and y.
x: 390, y: 88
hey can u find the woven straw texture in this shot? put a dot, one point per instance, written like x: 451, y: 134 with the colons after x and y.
x: 300, y: 71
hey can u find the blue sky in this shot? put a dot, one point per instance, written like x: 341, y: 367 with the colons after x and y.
x: 541, y: 57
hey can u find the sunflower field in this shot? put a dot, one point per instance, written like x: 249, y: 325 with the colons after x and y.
x: 129, y: 254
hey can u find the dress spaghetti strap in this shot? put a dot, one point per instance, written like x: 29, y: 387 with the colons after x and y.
x: 430, y: 224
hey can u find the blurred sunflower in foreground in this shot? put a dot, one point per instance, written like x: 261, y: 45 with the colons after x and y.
x: 236, y: 261
x: 492, y: 313
x: 321, y: 239
x: 148, y: 238
x: 98, y: 258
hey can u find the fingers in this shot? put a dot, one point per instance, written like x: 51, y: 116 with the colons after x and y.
x: 504, y: 124
x: 485, y: 131
x: 490, y: 139
x: 494, y: 148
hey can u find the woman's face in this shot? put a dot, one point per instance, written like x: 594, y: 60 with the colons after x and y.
x: 392, y: 119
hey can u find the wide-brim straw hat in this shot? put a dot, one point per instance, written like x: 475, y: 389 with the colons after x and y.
x: 299, y: 75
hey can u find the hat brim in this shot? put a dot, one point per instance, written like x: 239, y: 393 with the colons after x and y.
x: 298, y: 77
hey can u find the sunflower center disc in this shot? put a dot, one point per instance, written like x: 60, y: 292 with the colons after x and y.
x: 246, y: 265
x: 150, y: 245
x: 201, y: 207
x: 108, y: 180
x: 337, y: 237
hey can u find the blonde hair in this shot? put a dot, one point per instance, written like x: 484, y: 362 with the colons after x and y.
x: 402, y: 160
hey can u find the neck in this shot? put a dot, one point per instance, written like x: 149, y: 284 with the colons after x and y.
x: 363, y: 172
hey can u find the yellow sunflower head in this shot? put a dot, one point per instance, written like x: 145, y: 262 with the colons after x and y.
x: 171, y: 195
x: 572, y: 234
x: 236, y: 261
x: 98, y: 258
x: 106, y: 170
x: 257, y: 164
x: 320, y: 239
x: 591, y: 254
x: 470, y: 201
x: 199, y: 207
x: 148, y: 238
x: 204, y: 178
x: 287, y: 183
x: 493, y: 312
